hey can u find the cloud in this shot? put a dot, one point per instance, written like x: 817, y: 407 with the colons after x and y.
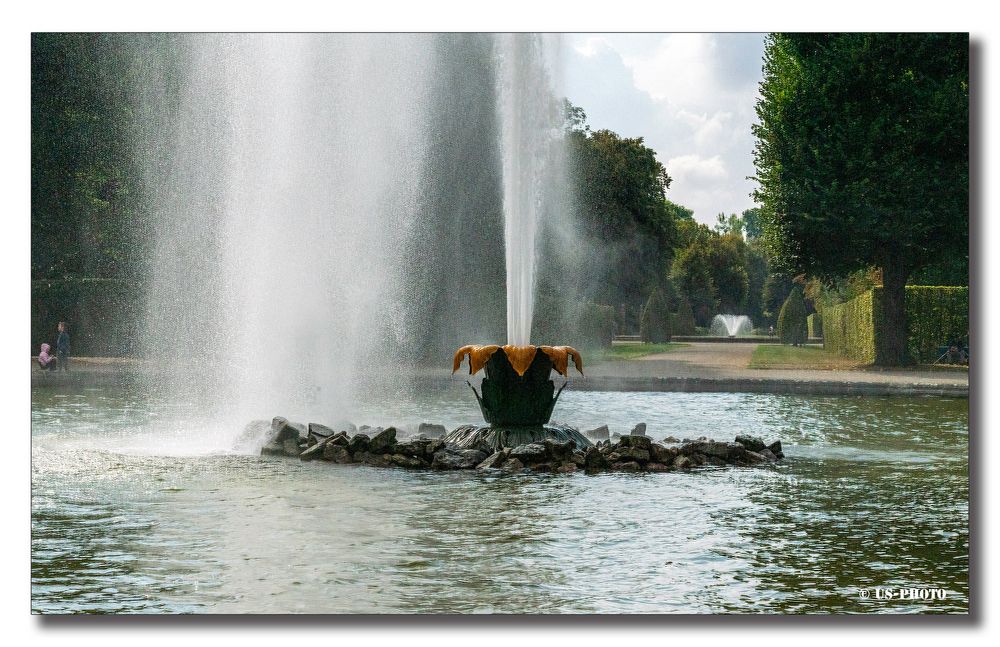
x: 691, y: 96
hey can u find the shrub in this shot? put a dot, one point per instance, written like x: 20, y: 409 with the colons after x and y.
x: 815, y: 324
x: 597, y: 325
x: 654, y: 324
x: 792, y: 327
x: 683, y: 323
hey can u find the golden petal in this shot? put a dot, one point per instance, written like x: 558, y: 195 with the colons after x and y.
x: 478, y: 356
x: 558, y: 357
x: 520, y: 357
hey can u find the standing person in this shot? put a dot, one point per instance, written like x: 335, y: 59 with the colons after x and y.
x: 62, y: 347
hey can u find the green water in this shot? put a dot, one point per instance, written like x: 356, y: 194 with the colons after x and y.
x: 139, y: 506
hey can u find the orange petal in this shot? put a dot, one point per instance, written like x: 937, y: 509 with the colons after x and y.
x: 558, y: 357
x: 478, y: 356
x: 520, y: 357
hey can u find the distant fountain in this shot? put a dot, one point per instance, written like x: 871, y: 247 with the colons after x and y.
x: 731, y: 326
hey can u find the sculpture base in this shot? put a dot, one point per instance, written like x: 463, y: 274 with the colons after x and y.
x: 493, y: 438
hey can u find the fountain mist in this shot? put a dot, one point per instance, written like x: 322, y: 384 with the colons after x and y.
x: 309, y: 195
x: 731, y: 326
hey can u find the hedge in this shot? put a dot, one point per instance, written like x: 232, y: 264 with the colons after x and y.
x: 935, y: 316
x: 654, y: 323
x: 792, y: 319
x: 815, y: 324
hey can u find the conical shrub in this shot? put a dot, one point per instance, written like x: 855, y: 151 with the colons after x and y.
x: 683, y: 323
x: 792, y: 326
x: 654, y: 324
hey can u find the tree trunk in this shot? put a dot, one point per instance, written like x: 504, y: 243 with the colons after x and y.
x: 890, y: 347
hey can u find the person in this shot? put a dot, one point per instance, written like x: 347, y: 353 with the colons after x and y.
x: 62, y: 347
x: 46, y: 361
x: 770, y: 331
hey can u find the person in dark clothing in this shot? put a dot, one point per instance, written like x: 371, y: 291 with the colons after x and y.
x: 62, y: 347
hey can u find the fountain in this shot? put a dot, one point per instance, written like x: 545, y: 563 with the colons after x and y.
x: 731, y: 326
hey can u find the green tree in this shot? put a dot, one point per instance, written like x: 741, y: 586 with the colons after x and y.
x: 777, y: 287
x: 862, y: 158
x: 792, y: 325
x: 655, y: 322
x: 751, y: 224
x: 692, y: 277
x: 727, y: 264
x: 622, y: 212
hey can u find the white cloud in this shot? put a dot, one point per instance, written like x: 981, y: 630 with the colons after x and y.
x: 691, y: 96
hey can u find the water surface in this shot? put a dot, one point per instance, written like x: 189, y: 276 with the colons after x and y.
x: 140, y: 506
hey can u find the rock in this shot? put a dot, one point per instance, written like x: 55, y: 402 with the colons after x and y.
x: 315, y: 451
x: 775, y: 448
x: 559, y: 451
x: 291, y: 446
x: 593, y: 459
x: 728, y: 452
x: 754, y: 458
x: 657, y: 467
x: 714, y: 460
x: 626, y: 466
x: 416, y: 447
x: 321, y: 431
x: 431, y: 431
x: 566, y: 468
x: 639, y: 442
x: 671, y: 439
x: 578, y: 458
x: 358, y: 443
x: 272, y: 449
x: 494, y: 460
x: 752, y: 443
x: 682, y: 462
x: 336, y: 453
x: 639, y: 430
x: 434, y: 447
x: 615, y: 437
x: 340, y: 438
x: 660, y: 454
x: 639, y: 455
x: 768, y: 454
x: 282, y: 430
x: 457, y: 459
x: 512, y: 465
x: 409, y: 462
x: 529, y: 453
x: 601, y: 433
x: 373, y: 459
x: 697, y: 460
x: 383, y: 441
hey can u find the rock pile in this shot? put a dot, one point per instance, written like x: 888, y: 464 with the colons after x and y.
x: 632, y: 453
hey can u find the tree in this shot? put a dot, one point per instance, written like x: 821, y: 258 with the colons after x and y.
x: 777, y: 287
x: 655, y: 326
x: 622, y: 211
x: 692, y: 276
x: 727, y: 263
x: 862, y: 158
x: 792, y: 325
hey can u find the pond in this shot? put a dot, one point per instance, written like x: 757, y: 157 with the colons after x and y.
x: 141, y: 506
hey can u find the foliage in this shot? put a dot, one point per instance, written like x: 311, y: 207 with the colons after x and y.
x: 692, y: 276
x: 655, y: 324
x: 622, y: 212
x: 777, y: 287
x: 814, y: 322
x: 683, y: 320
x: 862, y: 157
x: 937, y: 316
x: 792, y: 327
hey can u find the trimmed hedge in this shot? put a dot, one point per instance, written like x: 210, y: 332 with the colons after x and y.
x: 792, y: 327
x: 654, y: 324
x: 683, y: 323
x: 935, y: 316
x: 597, y: 326
x: 815, y: 324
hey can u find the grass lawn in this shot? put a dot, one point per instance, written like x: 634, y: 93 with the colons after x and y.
x: 632, y: 350
x: 806, y: 357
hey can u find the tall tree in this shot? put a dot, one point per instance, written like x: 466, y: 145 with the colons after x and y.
x: 862, y: 158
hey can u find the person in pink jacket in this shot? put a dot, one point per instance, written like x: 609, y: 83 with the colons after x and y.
x: 46, y: 361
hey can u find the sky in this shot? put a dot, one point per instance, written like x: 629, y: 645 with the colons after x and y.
x: 690, y: 96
